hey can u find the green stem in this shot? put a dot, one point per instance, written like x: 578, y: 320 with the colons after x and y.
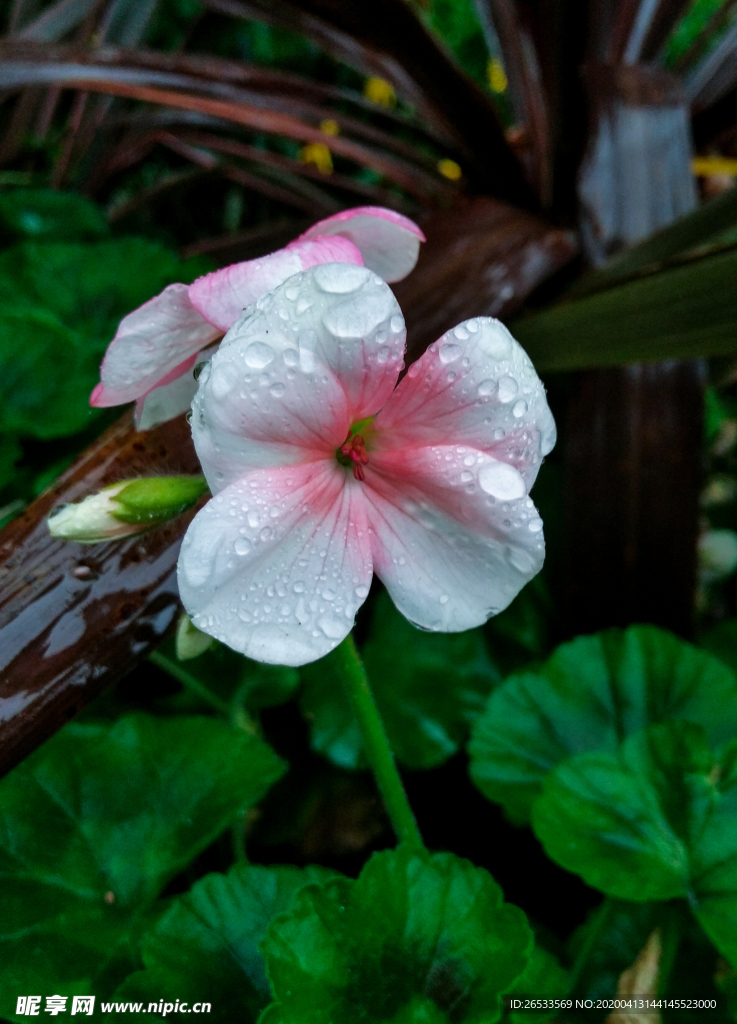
x: 189, y: 681
x: 375, y: 740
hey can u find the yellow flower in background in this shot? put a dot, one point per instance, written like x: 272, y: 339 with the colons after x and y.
x: 317, y: 153
x: 450, y: 169
x: 330, y: 126
x: 379, y: 91
x: 706, y: 165
x: 496, y: 75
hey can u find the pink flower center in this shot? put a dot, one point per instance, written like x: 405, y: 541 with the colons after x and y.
x: 353, y: 452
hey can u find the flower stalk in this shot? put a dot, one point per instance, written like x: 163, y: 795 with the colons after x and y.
x: 376, y: 742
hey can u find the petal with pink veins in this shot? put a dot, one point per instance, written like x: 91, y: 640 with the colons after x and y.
x: 389, y: 242
x: 474, y: 386
x: 158, y: 340
x: 319, y: 353
x: 277, y: 565
x: 222, y: 296
x: 454, y: 535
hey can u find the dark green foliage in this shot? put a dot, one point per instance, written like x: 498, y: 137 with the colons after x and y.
x: 429, y: 687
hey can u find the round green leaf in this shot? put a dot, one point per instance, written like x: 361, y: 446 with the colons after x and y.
x: 205, y: 948
x: 414, y: 939
x: 588, y: 695
x: 429, y: 687
x: 95, y: 823
x: 45, y: 379
x: 49, y: 215
x: 651, y: 821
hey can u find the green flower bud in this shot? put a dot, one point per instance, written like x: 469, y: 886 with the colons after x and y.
x: 190, y: 641
x: 125, y: 508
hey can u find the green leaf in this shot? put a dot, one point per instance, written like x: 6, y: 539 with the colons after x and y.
x: 588, y: 695
x: 48, y: 215
x: 652, y: 821
x: 94, y: 824
x: 62, y: 303
x: 45, y: 380
x: 413, y: 939
x: 429, y: 687
x: 681, y: 312
x: 544, y: 977
x: 206, y: 946
x: 707, y: 222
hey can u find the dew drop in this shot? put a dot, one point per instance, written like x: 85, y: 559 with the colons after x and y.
x: 507, y: 389
x: 487, y: 387
x: 258, y: 355
x: 461, y: 332
x: 519, y: 408
x: 361, y: 592
x: 290, y: 356
x: 253, y: 518
x: 448, y: 352
x: 299, y: 587
x: 242, y: 546
x: 277, y: 390
x: 202, y: 371
x: 291, y: 292
x: 339, y: 278
x: 444, y: 598
x: 303, y: 305
x: 382, y: 355
x: 535, y: 525
x: 397, y: 323
x: 501, y: 481
x: 332, y: 627
x: 466, y: 476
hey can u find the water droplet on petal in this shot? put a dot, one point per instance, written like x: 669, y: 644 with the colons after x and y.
x: 277, y: 390
x: 535, y: 525
x: 340, y: 278
x: 502, y: 481
x: 448, y: 352
x: 507, y: 389
x: 487, y: 387
x: 361, y: 592
x: 519, y: 408
x: 461, y: 333
x: 258, y: 355
x: 444, y: 598
x: 242, y: 546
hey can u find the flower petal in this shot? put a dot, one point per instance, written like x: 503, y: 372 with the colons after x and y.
x: 319, y: 353
x: 389, y: 242
x: 454, y: 536
x: 172, y: 398
x: 222, y: 296
x: 277, y: 565
x: 151, y: 343
x: 475, y: 386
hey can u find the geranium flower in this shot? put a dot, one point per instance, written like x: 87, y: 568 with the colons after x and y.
x: 158, y: 343
x: 324, y: 473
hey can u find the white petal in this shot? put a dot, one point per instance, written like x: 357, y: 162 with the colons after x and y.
x: 317, y: 354
x: 150, y: 343
x: 171, y: 400
x: 277, y: 565
x: 388, y: 241
x: 475, y: 386
x: 454, y: 535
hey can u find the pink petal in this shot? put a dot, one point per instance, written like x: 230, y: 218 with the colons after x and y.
x: 156, y: 342
x: 389, y: 242
x: 222, y: 296
x: 277, y: 565
x: 323, y: 351
x: 454, y: 536
x: 475, y: 386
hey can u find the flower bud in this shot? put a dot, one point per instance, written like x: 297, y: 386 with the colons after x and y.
x: 190, y: 641
x: 125, y: 508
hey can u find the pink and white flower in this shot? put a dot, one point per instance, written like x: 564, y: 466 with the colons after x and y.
x: 324, y: 470
x: 158, y: 343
